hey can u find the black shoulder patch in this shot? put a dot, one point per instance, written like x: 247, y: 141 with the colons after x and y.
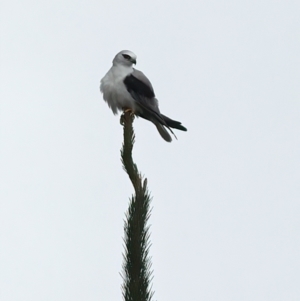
x: 136, y: 86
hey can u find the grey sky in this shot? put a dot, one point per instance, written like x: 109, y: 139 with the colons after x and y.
x: 225, y: 222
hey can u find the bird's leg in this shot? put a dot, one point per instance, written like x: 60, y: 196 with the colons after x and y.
x: 126, y: 110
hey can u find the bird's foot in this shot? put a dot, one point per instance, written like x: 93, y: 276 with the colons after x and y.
x: 124, y: 115
x: 128, y: 111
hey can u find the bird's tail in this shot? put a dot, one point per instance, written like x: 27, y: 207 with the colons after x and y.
x: 163, y: 132
x: 162, y: 123
x: 168, y: 123
x: 173, y: 123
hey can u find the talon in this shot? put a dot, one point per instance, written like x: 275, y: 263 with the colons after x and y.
x: 128, y: 111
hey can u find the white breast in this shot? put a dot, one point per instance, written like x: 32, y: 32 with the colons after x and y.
x: 114, y: 90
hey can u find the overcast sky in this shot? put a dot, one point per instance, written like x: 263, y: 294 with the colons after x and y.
x: 226, y: 195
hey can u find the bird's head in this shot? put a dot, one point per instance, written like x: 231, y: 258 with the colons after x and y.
x: 125, y: 58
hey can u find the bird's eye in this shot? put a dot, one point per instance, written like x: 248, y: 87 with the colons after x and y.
x: 126, y: 56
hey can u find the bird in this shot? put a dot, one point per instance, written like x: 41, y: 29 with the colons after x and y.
x: 125, y: 88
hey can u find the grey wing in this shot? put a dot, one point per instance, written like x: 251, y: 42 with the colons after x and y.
x: 140, y: 88
x: 142, y: 77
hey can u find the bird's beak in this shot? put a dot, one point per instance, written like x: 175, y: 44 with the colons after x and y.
x: 133, y: 61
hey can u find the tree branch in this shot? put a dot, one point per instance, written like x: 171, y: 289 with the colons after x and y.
x: 137, y: 273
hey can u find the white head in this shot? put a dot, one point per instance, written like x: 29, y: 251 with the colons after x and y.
x: 125, y: 58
